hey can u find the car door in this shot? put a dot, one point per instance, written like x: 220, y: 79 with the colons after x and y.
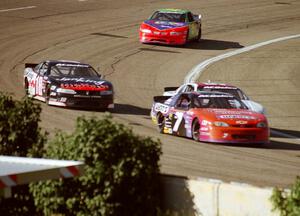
x: 193, y: 26
x: 177, y: 115
x: 40, y: 80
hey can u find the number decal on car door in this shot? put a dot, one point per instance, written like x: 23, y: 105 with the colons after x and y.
x: 178, y: 116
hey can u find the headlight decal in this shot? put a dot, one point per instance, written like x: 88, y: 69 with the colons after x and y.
x: 221, y: 124
x: 65, y: 91
x: 261, y: 125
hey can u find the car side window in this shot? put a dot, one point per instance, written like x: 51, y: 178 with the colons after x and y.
x: 183, y: 102
x: 190, y: 17
x: 43, y: 69
x: 189, y: 88
x: 36, y: 69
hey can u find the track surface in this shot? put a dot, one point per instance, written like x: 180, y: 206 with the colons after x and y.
x: 106, y: 36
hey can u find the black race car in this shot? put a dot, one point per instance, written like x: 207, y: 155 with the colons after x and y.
x: 68, y: 84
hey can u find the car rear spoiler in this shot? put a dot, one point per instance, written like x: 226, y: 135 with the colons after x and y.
x: 160, y: 99
x: 170, y: 88
x: 30, y: 65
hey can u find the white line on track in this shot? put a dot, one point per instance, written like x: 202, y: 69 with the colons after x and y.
x: 197, y: 70
x: 14, y: 9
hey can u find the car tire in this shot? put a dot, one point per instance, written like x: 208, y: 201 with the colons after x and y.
x: 26, y: 86
x: 199, y: 34
x: 196, y: 130
x: 187, y: 37
x: 47, y: 97
x: 161, y: 123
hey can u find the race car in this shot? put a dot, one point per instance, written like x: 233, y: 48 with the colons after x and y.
x: 171, y: 26
x: 220, y: 87
x: 68, y: 84
x: 209, y: 117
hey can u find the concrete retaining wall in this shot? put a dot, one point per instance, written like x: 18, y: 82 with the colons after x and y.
x: 207, y: 197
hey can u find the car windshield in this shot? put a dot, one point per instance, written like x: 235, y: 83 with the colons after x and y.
x: 73, y: 70
x: 218, y: 101
x: 170, y: 17
x: 233, y: 91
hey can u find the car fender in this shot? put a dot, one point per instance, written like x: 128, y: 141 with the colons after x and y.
x: 30, y: 75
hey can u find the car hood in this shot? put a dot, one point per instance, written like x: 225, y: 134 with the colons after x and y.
x: 81, y: 83
x: 165, y: 25
x: 226, y: 115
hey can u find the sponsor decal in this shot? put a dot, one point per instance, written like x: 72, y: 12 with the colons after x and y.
x: 84, y: 87
x: 219, y: 87
x: 31, y: 83
x: 204, y: 129
x: 53, y: 88
x: 81, y: 80
x: 204, y: 123
x: 241, y: 122
x: 235, y: 117
x: 63, y: 99
x: 215, y: 96
x: 225, y: 135
x: 72, y: 65
x: 161, y: 107
x: 231, y: 112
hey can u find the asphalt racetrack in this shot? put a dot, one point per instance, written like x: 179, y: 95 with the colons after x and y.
x: 104, y: 34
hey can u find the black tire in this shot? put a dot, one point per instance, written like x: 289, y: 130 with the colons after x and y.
x: 26, y: 86
x: 187, y: 37
x: 199, y: 34
x: 47, y: 96
x: 161, y: 123
x: 196, y: 130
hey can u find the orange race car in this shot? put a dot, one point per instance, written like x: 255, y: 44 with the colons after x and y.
x: 210, y: 117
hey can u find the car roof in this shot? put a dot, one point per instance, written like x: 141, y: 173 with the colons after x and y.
x: 173, y: 10
x: 216, y: 85
x: 54, y: 62
x: 208, y: 93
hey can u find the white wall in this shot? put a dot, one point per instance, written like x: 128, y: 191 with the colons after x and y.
x: 207, y: 197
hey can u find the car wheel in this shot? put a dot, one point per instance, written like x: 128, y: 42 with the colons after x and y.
x: 161, y: 123
x: 199, y: 34
x: 196, y: 130
x: 187, y: 37
x: 47, y: 97
x: 26, y: 86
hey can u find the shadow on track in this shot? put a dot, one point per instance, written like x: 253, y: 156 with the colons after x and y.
x: 108, y: 35
x: 157, y: 50
x: 130, y: 109
x: 277, y: 133
x: 204, y: 44
x: 207, y: 44
x: 281, y: 146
